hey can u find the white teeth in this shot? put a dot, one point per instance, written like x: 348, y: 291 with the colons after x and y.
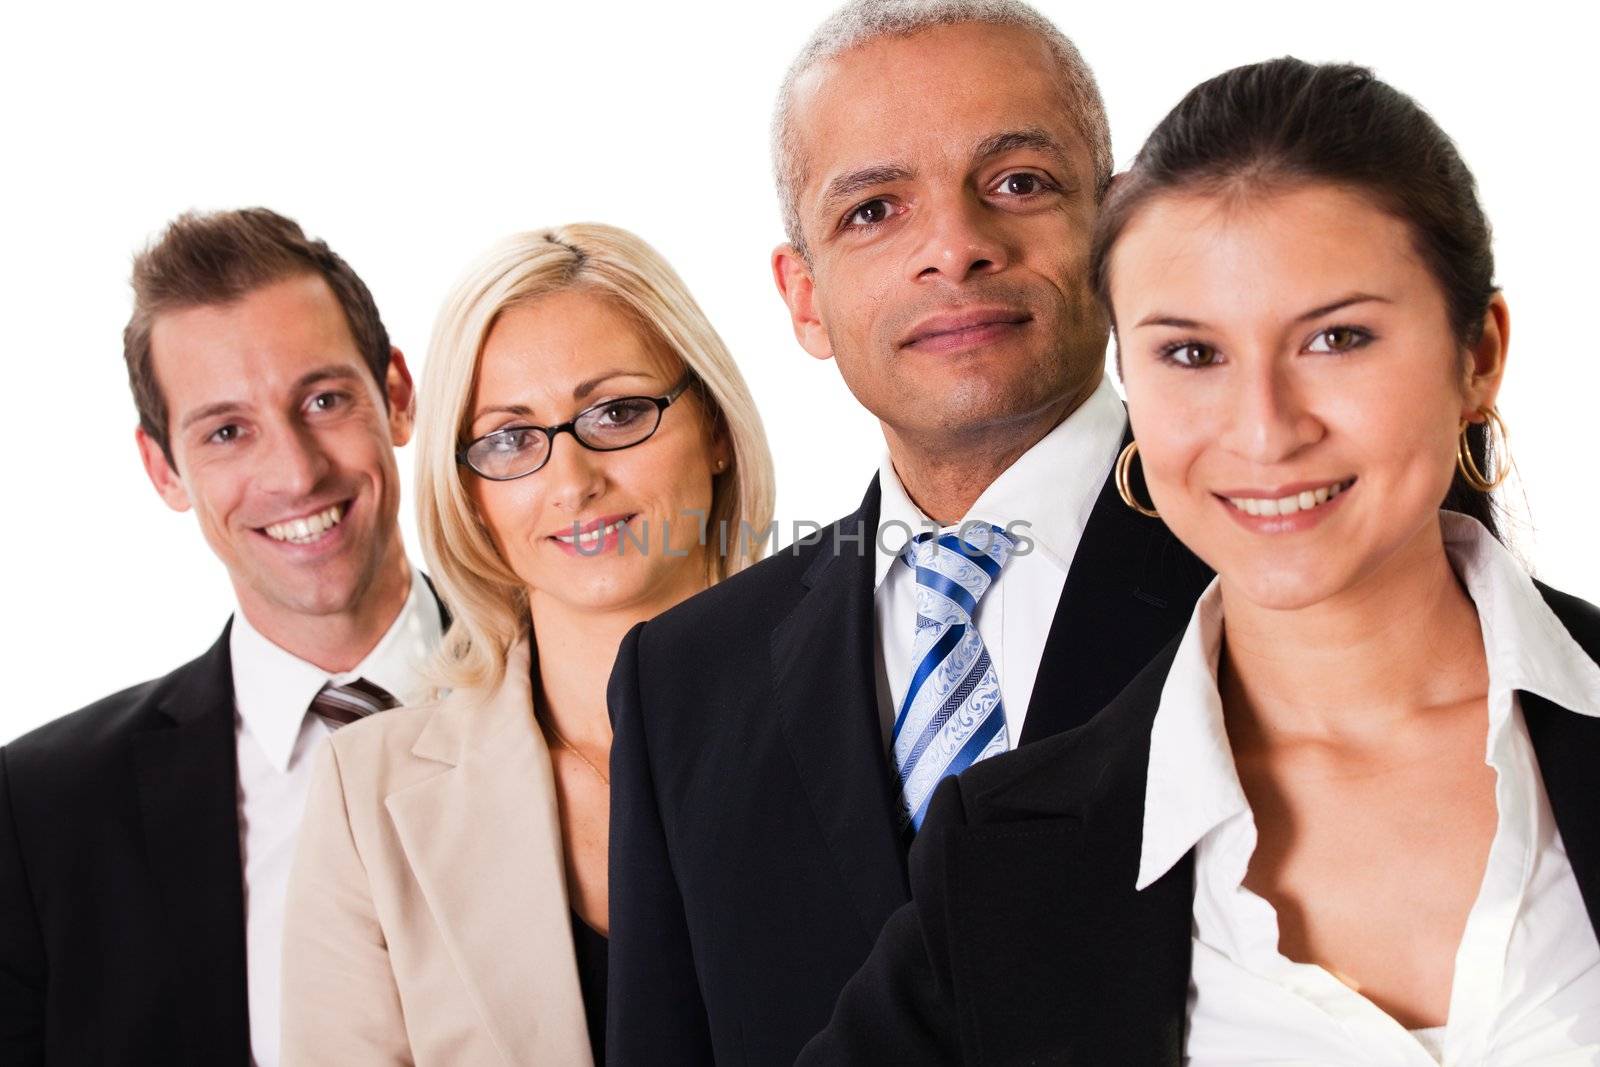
x: 593, y: 537
x: 303, y: 531
x: 1287, y: 505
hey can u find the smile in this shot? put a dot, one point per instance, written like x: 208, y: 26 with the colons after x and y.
x: 1290, y: 504
x: 598, y: 531
x: 308, y: 528
x: 951, y: 332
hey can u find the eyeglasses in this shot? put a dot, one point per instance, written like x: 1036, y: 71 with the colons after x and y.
x: 612, y: 425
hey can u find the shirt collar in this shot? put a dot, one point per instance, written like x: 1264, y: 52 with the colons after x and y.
x: 272, y: 688
x: 1192, y: 784
x: 1527, y: 647
x: 1046, y: 494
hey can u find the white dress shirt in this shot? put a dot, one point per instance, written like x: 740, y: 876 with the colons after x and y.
x: 1526, y: 986
x: 1051, y: 488
x: 276, y: 739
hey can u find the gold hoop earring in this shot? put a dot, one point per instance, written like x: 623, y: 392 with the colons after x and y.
x: 1501, y: 451
x: 1125, y: 486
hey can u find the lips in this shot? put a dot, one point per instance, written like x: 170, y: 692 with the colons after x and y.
x: 306, y: 528
x: 958, y: 327
x: 1285, y: 500
x: 592, y: 532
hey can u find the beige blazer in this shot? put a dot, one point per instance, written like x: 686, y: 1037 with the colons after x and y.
x: 428, y: 920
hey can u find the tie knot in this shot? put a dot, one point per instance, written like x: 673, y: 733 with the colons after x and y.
x: 958, y: 567
x: 342, y: 704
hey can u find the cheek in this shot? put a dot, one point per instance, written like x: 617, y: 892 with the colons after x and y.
x: 1403, y: 423
x: 216, y: 491
x: 509, y: 510
x: 675, y: 476
x: 852, y: 295
x: 1174, y: 422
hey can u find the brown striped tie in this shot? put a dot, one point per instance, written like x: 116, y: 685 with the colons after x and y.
x: 340, y: 705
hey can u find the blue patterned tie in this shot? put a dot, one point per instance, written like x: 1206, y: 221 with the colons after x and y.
x: 951, y: 716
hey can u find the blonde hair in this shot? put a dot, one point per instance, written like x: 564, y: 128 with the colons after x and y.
x: 488, y: 602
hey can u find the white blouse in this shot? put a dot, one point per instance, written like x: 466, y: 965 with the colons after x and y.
x: 1526, y: 986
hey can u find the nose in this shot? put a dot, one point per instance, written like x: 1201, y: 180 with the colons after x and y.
x: 1270, y: 419
x: 573, y: 475
x: 295, y: 462
x: 961, y: 239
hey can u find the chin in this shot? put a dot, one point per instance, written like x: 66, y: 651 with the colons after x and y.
x: 1282, y: 588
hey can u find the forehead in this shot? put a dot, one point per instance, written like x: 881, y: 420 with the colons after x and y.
x: 555, y: 342
x: 1268, y: 252
x: 262, y: 342
x: 926, y: 99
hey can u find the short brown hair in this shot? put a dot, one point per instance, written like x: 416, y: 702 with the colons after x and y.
x: 217, y: 258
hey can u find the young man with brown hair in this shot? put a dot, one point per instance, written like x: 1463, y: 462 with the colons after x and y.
x: 145, y: 840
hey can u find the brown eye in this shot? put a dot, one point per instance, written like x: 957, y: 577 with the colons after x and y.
x: 869, y: 214
x: 1191, y: 354
x: 1339, y: 339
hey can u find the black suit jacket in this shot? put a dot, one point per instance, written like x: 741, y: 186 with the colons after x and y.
x: 1026, y: 941
x: 121, y: 901
x: 754, y: 853
x: 122, y: 935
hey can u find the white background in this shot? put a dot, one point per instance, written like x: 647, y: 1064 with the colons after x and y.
x: 411, y: 139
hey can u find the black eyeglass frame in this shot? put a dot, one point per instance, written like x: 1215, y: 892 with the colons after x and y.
x: 571, y: 427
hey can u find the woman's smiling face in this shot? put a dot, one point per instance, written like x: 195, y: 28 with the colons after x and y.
x: 560, y: 529
x: 1293, y: 382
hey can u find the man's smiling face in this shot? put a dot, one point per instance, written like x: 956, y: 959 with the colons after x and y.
x: 947, y: 201
x: 283, y: 444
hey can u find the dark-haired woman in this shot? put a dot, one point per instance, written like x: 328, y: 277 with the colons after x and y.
x: 1351, y: 815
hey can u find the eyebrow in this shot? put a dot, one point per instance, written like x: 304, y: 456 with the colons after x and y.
x: 334, y: 371
x: 849, y: 184
x: 580, y: 392
x: 1161, y: 319
x: 1034, y: 137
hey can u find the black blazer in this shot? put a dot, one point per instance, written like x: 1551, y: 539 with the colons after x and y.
x: 121, y: 899
x: 1026, y: 941
x: 122, y: 934
x: 754, y: 853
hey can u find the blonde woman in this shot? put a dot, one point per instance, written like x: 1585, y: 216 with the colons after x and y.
x: 583, y: 437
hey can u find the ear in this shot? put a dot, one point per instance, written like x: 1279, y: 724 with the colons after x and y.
x: 721, y: 448
x: 162, y: 474
x: 795, y: 284
x: 402, y: 398
x: 1487, y: 360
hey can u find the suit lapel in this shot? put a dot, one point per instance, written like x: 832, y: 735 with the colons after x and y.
x: 1568, y: 749
x: 1055, y: 858
x: 187, y: 776
x: 823, y: 658
x: 483, y: 839
x: 1567, y: 746
x: 1131, y: 587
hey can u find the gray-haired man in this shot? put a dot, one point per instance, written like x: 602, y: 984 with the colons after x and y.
x: 940, y: 163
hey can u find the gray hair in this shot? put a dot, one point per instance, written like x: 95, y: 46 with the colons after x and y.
x: 859, y: 22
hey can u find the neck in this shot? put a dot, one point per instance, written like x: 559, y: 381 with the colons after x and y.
x: 575, y: 649
x: 338, y: 641
x: 945, y: 471
x: 1404, y: 641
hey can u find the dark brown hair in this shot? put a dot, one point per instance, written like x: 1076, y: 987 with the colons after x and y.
x: 1286, y: 122
x: 217, y: 258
